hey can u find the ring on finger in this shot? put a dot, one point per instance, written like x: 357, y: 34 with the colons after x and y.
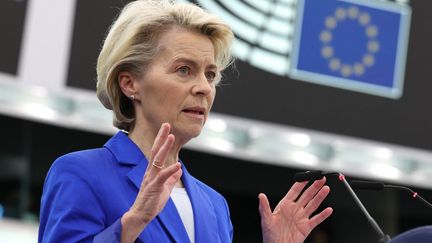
x: 156, y: 165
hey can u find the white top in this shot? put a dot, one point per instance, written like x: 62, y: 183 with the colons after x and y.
x: 184, y: 207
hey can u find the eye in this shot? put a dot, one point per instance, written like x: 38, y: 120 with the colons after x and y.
x: 211, y: 76
x: 184, y: 70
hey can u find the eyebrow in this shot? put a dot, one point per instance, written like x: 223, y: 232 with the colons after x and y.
x: 193, y: 63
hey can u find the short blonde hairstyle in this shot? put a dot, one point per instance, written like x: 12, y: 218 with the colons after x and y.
x: 131, y: 44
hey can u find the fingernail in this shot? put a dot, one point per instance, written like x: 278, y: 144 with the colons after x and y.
x: 166, y: 124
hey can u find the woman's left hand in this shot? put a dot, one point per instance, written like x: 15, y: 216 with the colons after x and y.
x: 291, y: 221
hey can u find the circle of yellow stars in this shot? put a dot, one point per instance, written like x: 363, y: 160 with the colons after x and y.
x: 372, y: 47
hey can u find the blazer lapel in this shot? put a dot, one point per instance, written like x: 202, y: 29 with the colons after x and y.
x: 205, y: 221
x: 168, y: 218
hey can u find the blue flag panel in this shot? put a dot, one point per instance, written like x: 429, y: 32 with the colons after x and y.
x: 357, y: 45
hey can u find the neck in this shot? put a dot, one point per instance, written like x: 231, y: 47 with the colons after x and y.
x: 144, y: 139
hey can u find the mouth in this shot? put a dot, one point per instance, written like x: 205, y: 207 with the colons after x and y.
x: 196, y: 112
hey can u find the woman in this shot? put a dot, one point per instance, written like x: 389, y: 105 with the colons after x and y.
x: 158, y: 70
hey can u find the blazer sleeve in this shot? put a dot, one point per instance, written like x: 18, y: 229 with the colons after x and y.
x: 71, y: 210
x: 228, y: 220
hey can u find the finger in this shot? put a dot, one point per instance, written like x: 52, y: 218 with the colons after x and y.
x: 311, y: 192
x: 317, y: 200
x: 295, y: 191
x: 319, y: 218
x: 160, y: 139
x: 161, y: 155
x: 173, y: 171
x: 264, y: 207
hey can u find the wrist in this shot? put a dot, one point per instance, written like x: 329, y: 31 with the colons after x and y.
x: 132, y: 226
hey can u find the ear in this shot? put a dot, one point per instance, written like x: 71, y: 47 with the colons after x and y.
x: 128, y: 83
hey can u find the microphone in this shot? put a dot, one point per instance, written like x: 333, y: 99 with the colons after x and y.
x: 312, y: 175
x: 367, y: 185
x: 382, y: 237
x: 378, y: 186
x: 316, y: 175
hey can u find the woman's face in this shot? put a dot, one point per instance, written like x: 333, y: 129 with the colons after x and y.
x: 179, y: 84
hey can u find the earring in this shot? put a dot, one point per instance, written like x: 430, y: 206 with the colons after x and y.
x: 132, y: 97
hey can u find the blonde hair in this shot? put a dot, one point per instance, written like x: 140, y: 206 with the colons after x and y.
x: 131, y: 44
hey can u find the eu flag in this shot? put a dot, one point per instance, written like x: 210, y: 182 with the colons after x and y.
x: 357, y: 45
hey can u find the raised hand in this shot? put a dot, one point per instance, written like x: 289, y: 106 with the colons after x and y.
x: 291, y: 220
x: 155, y: 188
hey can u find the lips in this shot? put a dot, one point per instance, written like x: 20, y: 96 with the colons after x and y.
x: 196, y: 112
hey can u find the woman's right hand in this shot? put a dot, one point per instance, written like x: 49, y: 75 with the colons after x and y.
x: 155, y: 189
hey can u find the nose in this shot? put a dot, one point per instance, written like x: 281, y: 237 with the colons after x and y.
x: 202, y: 86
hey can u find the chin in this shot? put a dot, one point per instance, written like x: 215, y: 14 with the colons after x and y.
x: 195, y: 132
x: 190, y: 132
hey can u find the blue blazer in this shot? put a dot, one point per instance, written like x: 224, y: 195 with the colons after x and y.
x: 86, y: 193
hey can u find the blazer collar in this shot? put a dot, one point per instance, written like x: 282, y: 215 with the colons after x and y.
x: 124, y: 149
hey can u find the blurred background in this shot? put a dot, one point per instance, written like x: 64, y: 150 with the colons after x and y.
x: 333, y: 85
